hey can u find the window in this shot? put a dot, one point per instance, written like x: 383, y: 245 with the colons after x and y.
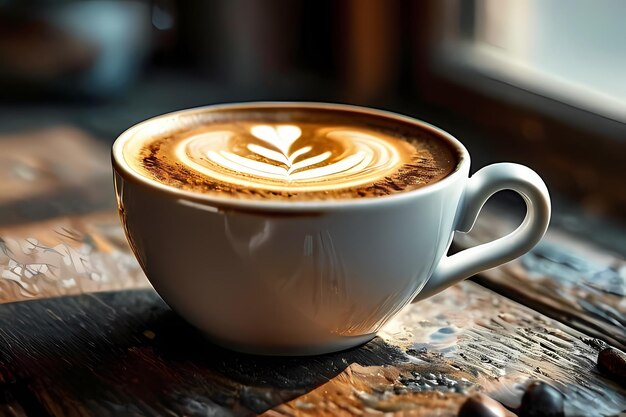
x: 572, y: 51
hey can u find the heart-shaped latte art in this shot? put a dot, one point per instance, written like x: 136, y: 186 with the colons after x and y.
x: 289, y: 157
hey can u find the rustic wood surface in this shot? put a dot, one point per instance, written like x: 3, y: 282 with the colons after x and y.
x: 64, y: 256
x: 566, y: 278
x: 73, y: 350
x: 59, y: 232
x: 52, y: 172
x: 126, y: 354
x: 39, y: 162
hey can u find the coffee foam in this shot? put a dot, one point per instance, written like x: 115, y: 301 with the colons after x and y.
x: 291, y: 154
x: 292, y: 158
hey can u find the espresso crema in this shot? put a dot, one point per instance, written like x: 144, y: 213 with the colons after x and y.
x: 289, y: 153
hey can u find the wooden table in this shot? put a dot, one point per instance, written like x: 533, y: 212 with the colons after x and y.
x: 83, y: 334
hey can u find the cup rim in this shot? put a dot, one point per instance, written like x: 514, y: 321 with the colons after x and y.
x: 122, y: 168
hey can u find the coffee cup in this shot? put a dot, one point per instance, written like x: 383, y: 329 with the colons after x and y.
x: 311, y: 276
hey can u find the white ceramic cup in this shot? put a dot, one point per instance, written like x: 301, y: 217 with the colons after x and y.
x: 309, y: 277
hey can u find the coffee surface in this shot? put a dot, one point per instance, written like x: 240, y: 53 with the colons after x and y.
x: 289, y: 153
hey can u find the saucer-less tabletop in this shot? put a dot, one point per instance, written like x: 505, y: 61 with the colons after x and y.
x: 83, y: 334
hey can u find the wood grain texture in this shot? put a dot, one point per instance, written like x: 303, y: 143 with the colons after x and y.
x: 463, y: 340
x: 59, y: 232
x: 65, y: 256
x: 126, y: 354
x: 53, y: 172
x: 571, y: 280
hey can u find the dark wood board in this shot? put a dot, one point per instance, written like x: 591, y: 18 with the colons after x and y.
x: 566, y: 277
x: 68, y: 255
x: 51, y: 172
x: 569, y: 279
x: 126, y: 354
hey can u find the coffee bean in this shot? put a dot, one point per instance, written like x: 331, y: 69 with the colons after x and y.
x: 612, y: 362
x: 541, y: 400
x: 480, y: 405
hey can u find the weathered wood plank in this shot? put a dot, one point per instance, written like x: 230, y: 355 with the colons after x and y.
x: 126, y: 353
x: 66, y: 256
x: 62, y: 170
x: 468, y: 339
x: 52, y: 172
x: 571, y: 280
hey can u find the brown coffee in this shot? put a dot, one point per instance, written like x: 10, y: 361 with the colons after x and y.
x: 285, y: 152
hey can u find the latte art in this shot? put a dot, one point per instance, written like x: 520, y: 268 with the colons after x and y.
x: 287, y: 153
x: 283, y: 157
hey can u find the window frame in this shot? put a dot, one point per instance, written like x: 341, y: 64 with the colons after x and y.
x: 581, y: 153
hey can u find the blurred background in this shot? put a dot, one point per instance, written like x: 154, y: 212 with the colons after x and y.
x: 535, y: 82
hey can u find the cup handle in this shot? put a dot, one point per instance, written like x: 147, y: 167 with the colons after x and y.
x: 481, y: 186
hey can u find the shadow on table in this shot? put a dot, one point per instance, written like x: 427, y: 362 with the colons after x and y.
x: 127, y: 353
